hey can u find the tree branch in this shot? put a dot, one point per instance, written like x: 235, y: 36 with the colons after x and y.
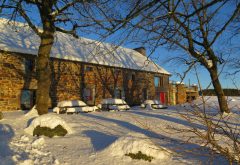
x: 28, y: 20
x: 72, y: 32
x: 237, y: 10
x: 58, y: 11
x: 204, y: 7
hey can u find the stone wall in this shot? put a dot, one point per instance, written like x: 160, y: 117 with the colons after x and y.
x: 70, y: 81
x: 13, y: 78
x: 181, y: 95
x: 172, y: 94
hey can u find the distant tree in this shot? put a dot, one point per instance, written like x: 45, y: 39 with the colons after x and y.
x: 227, y: 92
x: 54, y: 15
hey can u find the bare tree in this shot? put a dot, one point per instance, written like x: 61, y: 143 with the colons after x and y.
x: 193, y: 26
x: 196, y: 34
x: 54, y: 15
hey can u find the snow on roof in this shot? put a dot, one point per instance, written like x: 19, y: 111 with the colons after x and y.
x: 20, y: 38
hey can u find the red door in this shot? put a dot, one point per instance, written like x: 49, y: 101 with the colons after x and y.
x: 162, y: 97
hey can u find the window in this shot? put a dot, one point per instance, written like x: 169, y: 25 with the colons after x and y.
x: 145, y: 94
x: 157, y: 95
x: 131, y: 76
x: 89, y: 95
x: 28, y: 98
x: 117, y: 93
x: 122, y: 94
x: 117, y: 72
x: 156, y: 81
x: 29, y: 65
x: 159, y: 81
x: 88, y: 68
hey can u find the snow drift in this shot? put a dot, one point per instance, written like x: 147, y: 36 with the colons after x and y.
x: 47, y: 120
x: 32, y: 113
x: 135, y: 142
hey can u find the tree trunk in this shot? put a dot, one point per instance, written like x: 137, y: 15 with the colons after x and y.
x: 44, y: 72
x: 219, y: 91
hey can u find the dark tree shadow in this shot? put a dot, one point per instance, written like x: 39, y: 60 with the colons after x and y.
x: 189, y: 151
x: 128, y: 126
x: 100, y: 140
x: 30, y: 121
x: 6, y: 133
x: 6, y: 153
x: 172, y: 119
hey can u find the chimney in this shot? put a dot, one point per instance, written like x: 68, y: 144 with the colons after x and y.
x: 141, y: 50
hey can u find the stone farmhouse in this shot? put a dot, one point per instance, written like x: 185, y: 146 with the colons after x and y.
x: 82, y: 69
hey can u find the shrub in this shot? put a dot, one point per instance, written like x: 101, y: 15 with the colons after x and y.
x: 1, y: 115
x: 140, y: 155
x: 46, y: 131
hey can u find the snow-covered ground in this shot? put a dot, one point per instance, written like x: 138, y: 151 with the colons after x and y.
x: 101, y: 138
